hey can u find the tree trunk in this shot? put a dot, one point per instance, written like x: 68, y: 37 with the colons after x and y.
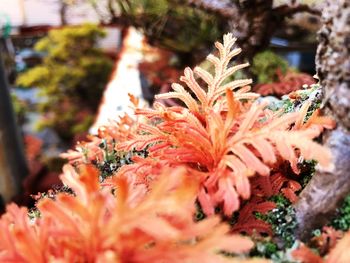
x: 327, y: 189
x: 63, y: 12
x: 254, y: 26
x: 13, y: 166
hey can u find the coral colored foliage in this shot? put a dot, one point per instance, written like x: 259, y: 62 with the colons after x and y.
x: 214, y: 150
x: 264, y: 187
x: 286, y: 84
x: 223, y: 135
x: 131, y: 226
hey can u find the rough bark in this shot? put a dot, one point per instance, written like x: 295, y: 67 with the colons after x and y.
x: 12, y: 161
x: 254, y: 26
x: 253, y: 22
x: 327, y: 189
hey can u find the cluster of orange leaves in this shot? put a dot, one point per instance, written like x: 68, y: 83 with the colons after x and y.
x: 205, y: 151
x: 286, y: 84
x: 222, y: 136
x: 128, y: 225
x: 264, y: 187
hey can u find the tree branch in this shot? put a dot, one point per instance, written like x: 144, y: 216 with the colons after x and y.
x: 223, y: 8
x: 290, y: 10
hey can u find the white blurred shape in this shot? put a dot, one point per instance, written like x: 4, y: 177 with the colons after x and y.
x: 125, y: 79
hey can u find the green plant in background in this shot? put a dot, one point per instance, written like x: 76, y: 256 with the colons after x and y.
x: 71, y: 78
x: 194, y: 28
x: 265, y: 66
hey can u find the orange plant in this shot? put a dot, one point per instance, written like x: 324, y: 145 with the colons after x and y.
x: 95, y: 225
x: 222, y: 135
x: 262, y: 189
x: 207, y: 151
x: 286, y: 84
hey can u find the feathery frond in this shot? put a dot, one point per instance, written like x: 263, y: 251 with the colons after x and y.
x: 216, y: 85
x: 224, y: 135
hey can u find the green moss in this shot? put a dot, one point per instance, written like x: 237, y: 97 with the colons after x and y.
x: 264, y: 248
x: 34, y: 212
x: 288, y: 105
x: 113, y: 160
x: 280, y: 200
x: 312, y: 93
x: 342, y: 221
x: 282, y: 220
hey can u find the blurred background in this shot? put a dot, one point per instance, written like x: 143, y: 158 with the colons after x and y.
x: 68, y: 66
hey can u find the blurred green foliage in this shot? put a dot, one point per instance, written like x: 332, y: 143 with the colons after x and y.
x: 71, y: 78
x: 172, y: 24
x: 265, y: 65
